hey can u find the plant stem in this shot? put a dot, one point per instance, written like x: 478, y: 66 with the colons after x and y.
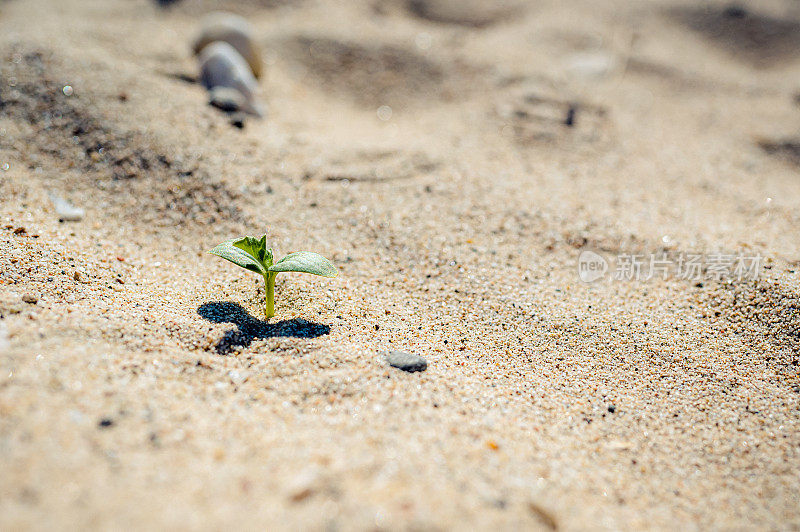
x: 269, y: 282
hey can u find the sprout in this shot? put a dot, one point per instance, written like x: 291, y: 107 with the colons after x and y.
x: 252, y: 253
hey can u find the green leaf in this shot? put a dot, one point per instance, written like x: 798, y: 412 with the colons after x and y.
x: 256, y: 248
x: 229, y: 251
x: 305, y: 262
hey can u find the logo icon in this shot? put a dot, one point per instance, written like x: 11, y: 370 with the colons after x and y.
x: 591, y: 266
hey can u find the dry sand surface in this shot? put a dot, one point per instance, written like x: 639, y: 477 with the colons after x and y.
x: 140, y: 389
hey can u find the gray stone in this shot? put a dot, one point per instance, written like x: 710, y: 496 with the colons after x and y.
x: 406, y: 361
x: 222, y: 66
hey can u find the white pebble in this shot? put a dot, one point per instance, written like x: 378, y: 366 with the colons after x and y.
x: 590, y: 64
x: 222, y: 66
x: 66, y: 211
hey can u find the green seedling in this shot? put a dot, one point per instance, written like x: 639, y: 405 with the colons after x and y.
x: 252, y: 254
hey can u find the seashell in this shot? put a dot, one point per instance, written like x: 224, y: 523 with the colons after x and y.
x: 234, y: 30
x: 222, y: 66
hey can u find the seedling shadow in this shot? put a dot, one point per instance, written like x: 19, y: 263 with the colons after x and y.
x: 249, y: 328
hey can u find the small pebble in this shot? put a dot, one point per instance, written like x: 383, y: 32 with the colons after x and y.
x: 591, y: 65
x: 222, y: 66
x: 406, y: 361
x: 66, y: 211
x: 30, y: 298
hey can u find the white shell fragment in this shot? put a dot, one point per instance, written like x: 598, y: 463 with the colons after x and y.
x: 66, y: 211
x: 234, y: 30
x: 222, y: 66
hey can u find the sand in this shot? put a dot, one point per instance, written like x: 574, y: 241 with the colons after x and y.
x: 454, y: 159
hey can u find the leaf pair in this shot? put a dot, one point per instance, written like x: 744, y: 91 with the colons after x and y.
x: 252, y: 253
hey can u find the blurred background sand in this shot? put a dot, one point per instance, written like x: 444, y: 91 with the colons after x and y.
x: 453, y: 159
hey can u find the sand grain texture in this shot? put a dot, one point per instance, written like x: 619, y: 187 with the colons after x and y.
x: 140, y: 389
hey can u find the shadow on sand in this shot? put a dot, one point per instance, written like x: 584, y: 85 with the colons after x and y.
x: 249, y: 328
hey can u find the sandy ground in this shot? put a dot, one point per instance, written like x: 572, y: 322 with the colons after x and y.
x: 139, y: 389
